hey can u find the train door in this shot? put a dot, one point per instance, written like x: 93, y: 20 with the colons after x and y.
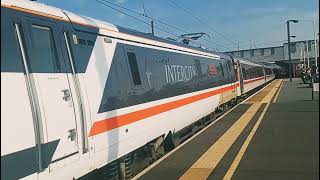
x: 233, y: 77
x: 264, y: 73
x: 230, y: 79
x: 241, y: 77
x: 50, y: 85
x: 236, y: 68
x: 78, y: 47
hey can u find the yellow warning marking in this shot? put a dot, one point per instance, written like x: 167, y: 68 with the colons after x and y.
x: 258, y: 97
x: 239, y: 156
x: 269, y: 96
x: 275, y: 99
x: 202, y: 168
x: 209, y: 160
x: 245, y: 145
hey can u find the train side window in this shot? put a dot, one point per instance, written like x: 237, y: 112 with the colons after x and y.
x: 221, y: 69
x: 198, y: 66
x: 272, y: 51
x: 81, y: 46
x: 226, y: 70
x: 230, y: 73
x: 228, y: 64
x: 244, y: 73
x: 134, y: 68
x: 44, y: 54
x: 11, y: 60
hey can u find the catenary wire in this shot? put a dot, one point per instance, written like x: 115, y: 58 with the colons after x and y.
x: 160, y: 22
x: 168, y: 32
x: 202, y: 22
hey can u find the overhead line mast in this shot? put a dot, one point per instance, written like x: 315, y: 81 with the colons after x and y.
x: 155, y: 21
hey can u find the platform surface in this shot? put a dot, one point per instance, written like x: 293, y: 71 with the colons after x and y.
x: 273, y: 135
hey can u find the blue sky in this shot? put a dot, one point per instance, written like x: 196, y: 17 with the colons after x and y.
x: 261, y: 21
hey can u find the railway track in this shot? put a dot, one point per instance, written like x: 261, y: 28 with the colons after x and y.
x: 147, y: 155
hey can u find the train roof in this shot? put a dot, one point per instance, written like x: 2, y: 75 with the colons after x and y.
x: 247, y: 62
x: 60, y: 14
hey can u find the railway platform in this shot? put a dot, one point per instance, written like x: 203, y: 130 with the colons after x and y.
x: 274, y: 134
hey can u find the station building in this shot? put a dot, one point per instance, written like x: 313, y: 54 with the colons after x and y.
x: 278, y: 55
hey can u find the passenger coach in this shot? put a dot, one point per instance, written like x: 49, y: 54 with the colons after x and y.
x: 78, y: 94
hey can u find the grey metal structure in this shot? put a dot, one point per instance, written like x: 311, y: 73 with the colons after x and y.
x: 279, y: 54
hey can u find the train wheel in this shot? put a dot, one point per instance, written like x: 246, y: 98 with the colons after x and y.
x: 112, y: 171
x: 156, y: 149
x: 126, y: 166
x: 234, y: 102
x: 170, y: 142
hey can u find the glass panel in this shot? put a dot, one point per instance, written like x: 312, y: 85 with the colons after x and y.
x: 293, y: 48
x: 309, y: 46
x: 244, y: 73
x: 134, y: 68
x: 198, y: 67
x: 221, y: 70
x: 44, y: 56
x: 226, y: 71
x: 11, y: 60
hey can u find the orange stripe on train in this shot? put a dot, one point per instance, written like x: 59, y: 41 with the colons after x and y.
x: 122, y: 120
x: 253, y: 80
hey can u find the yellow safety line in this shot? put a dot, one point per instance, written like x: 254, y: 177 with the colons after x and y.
x: 278, y: 92
x: 191, y: 138
x: 269, y: 96
x: 245, y: 145
x: 240, y: 154
x: 202, y: 168
x: 209, y: 160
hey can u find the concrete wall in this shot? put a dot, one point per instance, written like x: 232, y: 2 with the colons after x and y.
x: 280, y: 55
x: 296, y: 48
x: 280, y: 52
x: 258, y: 56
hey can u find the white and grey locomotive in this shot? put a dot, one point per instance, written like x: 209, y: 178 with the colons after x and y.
x: 79, y: 94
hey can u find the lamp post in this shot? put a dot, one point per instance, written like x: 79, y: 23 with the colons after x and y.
x: 315, y: 45
x: 308, y: 56
x: 289, y: 49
